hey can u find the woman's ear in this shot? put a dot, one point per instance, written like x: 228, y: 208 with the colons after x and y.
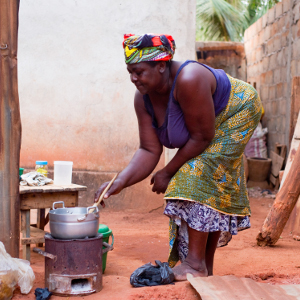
x: 162, y: 66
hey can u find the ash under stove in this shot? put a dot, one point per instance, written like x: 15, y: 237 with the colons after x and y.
x: 77, y: 267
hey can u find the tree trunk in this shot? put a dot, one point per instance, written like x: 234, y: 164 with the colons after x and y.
x: 10, y: 128
x: 282, y: 206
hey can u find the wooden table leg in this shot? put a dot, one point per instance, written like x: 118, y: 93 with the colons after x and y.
x: 25, y: 228
x: 40, y: 223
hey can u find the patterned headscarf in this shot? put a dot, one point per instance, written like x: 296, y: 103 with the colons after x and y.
x: 148, y: 47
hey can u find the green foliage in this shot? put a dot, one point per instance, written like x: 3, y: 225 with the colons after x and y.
x: 227, y: 20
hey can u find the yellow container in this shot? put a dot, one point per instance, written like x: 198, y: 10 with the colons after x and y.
x: 41, y: 167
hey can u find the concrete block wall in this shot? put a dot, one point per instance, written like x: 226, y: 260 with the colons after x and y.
x: 272, y: 48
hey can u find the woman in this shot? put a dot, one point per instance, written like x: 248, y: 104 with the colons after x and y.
x: 210, y: 117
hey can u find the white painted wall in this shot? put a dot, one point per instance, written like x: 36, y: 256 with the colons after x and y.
x: 76, y: 98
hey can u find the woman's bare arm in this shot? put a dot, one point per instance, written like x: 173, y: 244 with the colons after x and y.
x: 145, y: 158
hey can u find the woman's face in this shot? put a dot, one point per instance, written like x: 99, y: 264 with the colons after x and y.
x: 145, y: 77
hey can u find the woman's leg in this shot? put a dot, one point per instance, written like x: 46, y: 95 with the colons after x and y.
x: 195, y: 262
x: 211, y: 245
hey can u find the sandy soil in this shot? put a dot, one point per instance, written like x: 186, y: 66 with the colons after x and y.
x: 143, y: 238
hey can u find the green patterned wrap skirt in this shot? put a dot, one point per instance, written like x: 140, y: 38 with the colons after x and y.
x: 216, y: 177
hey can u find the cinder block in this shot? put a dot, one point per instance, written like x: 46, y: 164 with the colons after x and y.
x: 253, y: 57
x: 293, y: 68
x: 259, y: 53
x: 270, y: 46
x: 273, y: 61
x: 274, y: 107
x: 285, y: 89
x: 287, y: 5
x: 296, y: 49
x: 272, y: 95
x: 283, y: 74
x: 283, y: 107
x: 264, y: 20
x: 284, y: 39
x: 281, y: 23
x: 287, y: 20
x: 278, y: 9
x: 261, y: 37
x: 255, y: 41
x: 277, y: 43
x: 281, y: 58
x: 279, y: 90
x: 267, y: 32
x: 271, y: 15
x: 282, y: 125
x: 263, y: 78
x: 277, y: 75
x: 258, y: 25
x: 264, y: 94
x: 269, y: 77
x: 274, y: 28
x: 296, y: 12
x: 265, y: 63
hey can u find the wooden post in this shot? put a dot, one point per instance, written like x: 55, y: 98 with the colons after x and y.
x: 10, y: 128
x: 282, y: 206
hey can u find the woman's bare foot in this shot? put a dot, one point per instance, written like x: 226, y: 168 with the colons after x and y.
x: 184, y: 268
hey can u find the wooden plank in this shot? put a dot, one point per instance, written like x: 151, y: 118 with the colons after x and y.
x: 10, y: 127
x: 277, y: 163
x: 295, y: 105
x: 49, y: 188
x: 45, y: 200
x: 25, y: 228
x: 294, y: 146
x: 40, y: 223
x: 36, y: 236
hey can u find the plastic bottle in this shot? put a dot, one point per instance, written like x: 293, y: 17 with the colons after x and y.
x: 41, y: 167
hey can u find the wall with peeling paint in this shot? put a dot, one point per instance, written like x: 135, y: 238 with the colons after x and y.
x: 76, y: 98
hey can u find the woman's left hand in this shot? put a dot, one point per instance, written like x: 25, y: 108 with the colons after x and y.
x: 160, y: 181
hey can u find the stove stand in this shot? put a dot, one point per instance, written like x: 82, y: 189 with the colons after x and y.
x: 77, y: 267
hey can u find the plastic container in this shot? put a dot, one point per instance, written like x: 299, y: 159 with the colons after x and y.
x: 41, y: 167
x: 63, y: 172
x: 21, y: 170
x: 106, y: 233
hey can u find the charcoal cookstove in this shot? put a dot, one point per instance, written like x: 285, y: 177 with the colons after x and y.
x: 75, y: 267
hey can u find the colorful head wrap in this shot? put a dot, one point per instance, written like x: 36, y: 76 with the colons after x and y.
x: 148, y: 47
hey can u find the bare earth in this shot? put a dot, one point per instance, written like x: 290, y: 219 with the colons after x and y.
x: 143, y: 238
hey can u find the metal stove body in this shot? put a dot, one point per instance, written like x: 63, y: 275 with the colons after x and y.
x: 77, y: 265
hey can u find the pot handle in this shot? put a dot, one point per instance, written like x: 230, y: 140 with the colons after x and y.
x: 95, y: 210
x: 63, y: 203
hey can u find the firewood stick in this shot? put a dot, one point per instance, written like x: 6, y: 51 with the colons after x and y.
x: 282, y: 206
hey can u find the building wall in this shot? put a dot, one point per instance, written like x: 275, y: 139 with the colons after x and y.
x: 272, y: 47
x: 229, y: 56
x: 76, y: 98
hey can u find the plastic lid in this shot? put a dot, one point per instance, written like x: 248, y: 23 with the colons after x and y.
x: 104, y: 230
x: 63, y: 163
x: 41, y: 162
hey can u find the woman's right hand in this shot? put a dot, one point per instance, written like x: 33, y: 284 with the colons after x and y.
x: 116, y: 188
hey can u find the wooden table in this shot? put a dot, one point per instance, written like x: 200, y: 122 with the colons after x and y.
x: 41, y: 197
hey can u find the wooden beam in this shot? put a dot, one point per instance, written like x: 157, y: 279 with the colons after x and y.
x: 10, y: 128
x: 282, y: 206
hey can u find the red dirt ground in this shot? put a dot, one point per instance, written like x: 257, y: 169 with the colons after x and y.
x: 143, y: 238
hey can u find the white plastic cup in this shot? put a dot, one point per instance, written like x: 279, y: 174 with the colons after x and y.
x: 63, y: 172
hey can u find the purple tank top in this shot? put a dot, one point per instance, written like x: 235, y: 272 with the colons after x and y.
x: 173, y: 132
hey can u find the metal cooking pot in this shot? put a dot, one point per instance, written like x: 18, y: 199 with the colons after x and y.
x: 73, y: 222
